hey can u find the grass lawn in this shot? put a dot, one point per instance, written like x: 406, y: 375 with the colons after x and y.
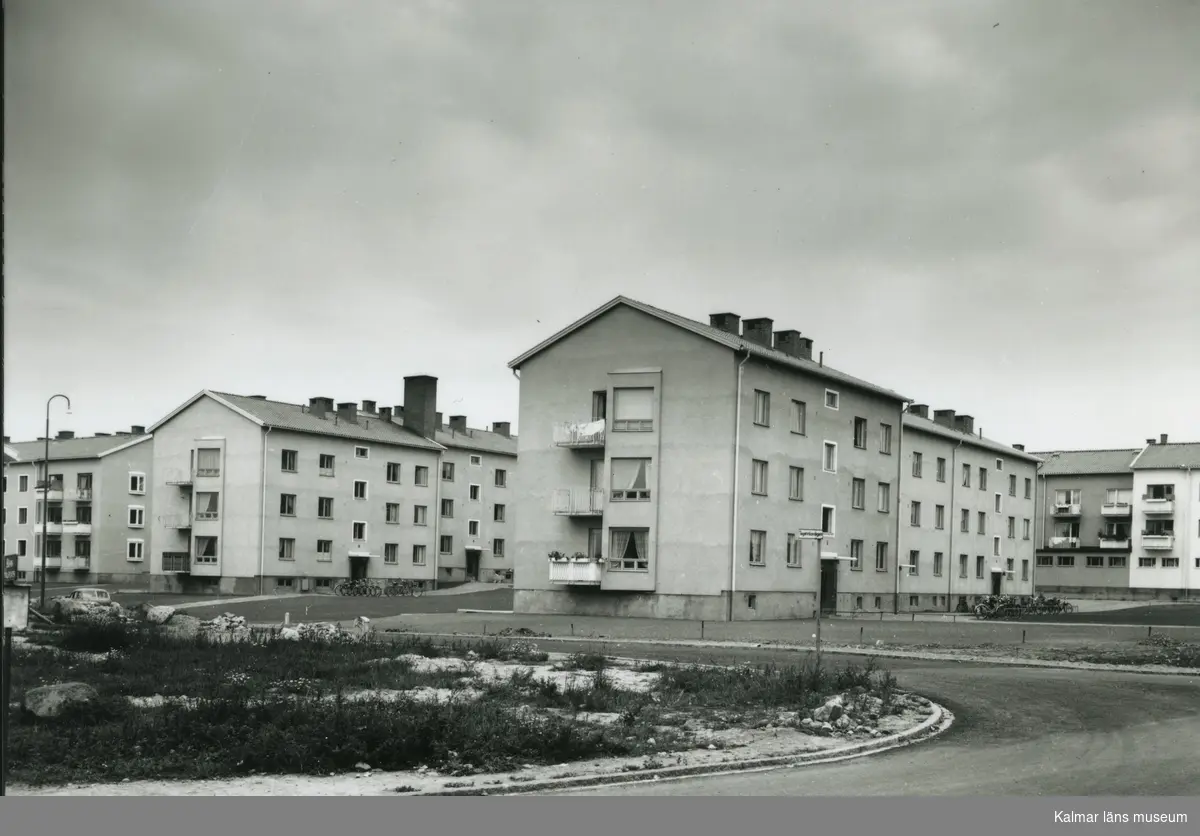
x: 266, y: 705
x: 1163, y: 615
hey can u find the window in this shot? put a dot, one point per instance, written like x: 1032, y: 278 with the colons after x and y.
x: 1025, y: 569
x: 501, y: 478
x: 287, y: 505
x: 287, y: 548
x: 796, y: 483
x: 207, y: 504
x: 860, y: 433
x: 472, y: 528
x: 914, y: 516
x: 288, y: 459
x: 420, y: 514
x: 1094, y: 562
x: 23, y: 516
x: 918, y: 465
x: 939, y: 517
x: 206, y: 550
x: 325, y: 550
x: 758, y: 477
x: 392, y: 513
x: 83, y: 547
x: 1159, y: 528
x: 446, y: 544
x: 983, y: 478
x: 830, y: 459
x: 793, y: 551
x: 325, y: 464
x: 799, y: 417
x: 135, y: 551
x: 473, y: 493
x: 941, y: 470
x: 1028, y: 488
x: 633, y: 410
x: 982, y: 523
x: 828, y: 519
x: 284, y: 583
x: 360, y: 489
x: 1025, y: 530
x: 962, y: 565
x: 208, y: 461
x: 497, y: 548
x: 965, y: 523
x: 599, y: 405
x: 137, y: 483
x: 856, y: 553
x: 1012, y: 484
x: 979, y: 566
x: 914, y: 562
x: 996, y: 545
x: 881, y: 557
x: 498, y: 513
x: 476, y: 461
x: 418, y: 555
x: 358, y: 531
x: 361, y: 453
x: 1066, y: 498
x: 628, y: 550
x: 630, y: 479
x: 23, y: 482
x: 1160, y: 492
x: 885, y: 498
x: 1170, y: 562
x: 447, y: 471
x: 885, y: 439
x: 1045, y: 560
x: 393, y: 472
x: 762, y: 408
x: 22, y: 548
x: 1145, y: 562
x: 391, y: 553
x: 832, y: 399
x: 447, y: 508
x: 758, y: 548
x: 421, y: 476
x: 966, y: 480
x: 325, y: 507
x: 999, y: 464
x: 595, y: 542
x: 998, y: 506
x: 137, y: 516
x: 858, y: 494
x: 937, y: 564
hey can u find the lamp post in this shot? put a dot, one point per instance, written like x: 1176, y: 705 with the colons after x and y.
x: 818, y: 535
x: 46, y: 490
x: 899, y: 566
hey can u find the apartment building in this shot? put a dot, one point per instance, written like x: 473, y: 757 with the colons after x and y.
x: 1166, y: 521
x: 94, y: 501
x: 679, y: 460
x: 968, y: 511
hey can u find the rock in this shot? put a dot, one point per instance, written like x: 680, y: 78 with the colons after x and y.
x: 843, y: 722
x: 362, y: 767
x: 830, y: 711
x: 290, y: 634
x: 187, y: 625
x: 807, y: 722
x: 159, y: 615
x: 712, y: 747
x: 49, y: 701
x: 825, y: 729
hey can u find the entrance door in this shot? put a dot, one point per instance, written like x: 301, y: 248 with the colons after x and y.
x: 996, y: 583
x: 472, y: 564
x: 829, y: 579
x: 358, y: 568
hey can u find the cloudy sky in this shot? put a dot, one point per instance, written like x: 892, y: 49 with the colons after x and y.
x: 990, y: 206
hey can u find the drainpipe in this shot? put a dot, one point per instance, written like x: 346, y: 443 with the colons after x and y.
x: 899, y: 504
x: 262, y: 520
x: 953, y: 522
x: 737, y: 449
x: 437, y: 522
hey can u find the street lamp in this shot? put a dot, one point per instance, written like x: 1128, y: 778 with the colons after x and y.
x: 819, y: 535
x: 46, y: 490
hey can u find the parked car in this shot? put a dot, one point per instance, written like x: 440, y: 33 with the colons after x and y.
x: 82, y: 598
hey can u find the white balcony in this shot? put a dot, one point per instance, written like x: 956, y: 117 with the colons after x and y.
x: 176, y: 562
x: 178, y: 521
x: 1110, y: 542
x: 79, y: 564
x: 579, y: 502
x: 580, y: 434
x: 52, y: 562
x: 178, y: 476
x: 1116, y: 509
x: 53, y: 494
x: 1068, y: 509
x: 1158, y: 507
x: 575, y: 572
x: 209, y: 570
x: 52, y: 527
x: 79, y: 529
x: 1158, y: 541
x: 79, y: 495
x: 1064, y: 542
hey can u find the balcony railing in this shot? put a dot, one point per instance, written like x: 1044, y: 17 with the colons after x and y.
x: 1064, y: 542
x: 1116, y: 509
x: 206, y: 516
x: 178, y: 521
x: 176, y: 562
x: 1158, y: 541
x: 52, y: 527
x: 79, y: 495
x: 579, y: 502
x: 576, y: 572
x: 580, y: 434
x: 77, y: 527
x: 80, y: 563
x: 1067, y: 509
x: 1159, y: 505
x: 52, y: 494
x: 1112, y: 541
x: 53, y: 562
x: 208, y: 472
x: 178, y: 476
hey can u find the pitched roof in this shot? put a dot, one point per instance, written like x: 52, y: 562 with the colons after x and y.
x: 916, y: 422
x: 1085, y: 462
x: 297, y: 418
x: 1168, y: 456
x: 481, y: 441
x: 88, y: 447
x: 731, y: 341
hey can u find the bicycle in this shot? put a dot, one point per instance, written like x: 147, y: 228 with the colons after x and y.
x: 404, y: 588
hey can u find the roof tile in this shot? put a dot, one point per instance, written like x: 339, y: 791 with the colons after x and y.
x: 1085, y: 462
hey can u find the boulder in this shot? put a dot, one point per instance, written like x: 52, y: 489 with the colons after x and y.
x: 290, y: 634
x: 830, y: 711
x: 159, y: 615
x: 843, y: 722
x: 185, y: 625
x: 49, y: 701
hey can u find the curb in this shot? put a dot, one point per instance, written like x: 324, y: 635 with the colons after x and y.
x: 937, y: 723
x: 484, y: 612
x: 840, y: 650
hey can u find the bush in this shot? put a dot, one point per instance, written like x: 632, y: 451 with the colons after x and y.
x: 586, y: 662
x: 97, y: 636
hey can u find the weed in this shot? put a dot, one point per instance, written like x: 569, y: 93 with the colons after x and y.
x: 588, y: 661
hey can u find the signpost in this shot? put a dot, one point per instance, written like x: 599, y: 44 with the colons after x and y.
x: 15, y: 616
x: 819, y: 536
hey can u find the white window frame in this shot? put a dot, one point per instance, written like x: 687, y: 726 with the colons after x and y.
x: 859, y: 502
x: 141, y: 481
x: 883, y: 497
x: 999, y: 504
x: 476, y: 461
x: 421, y: 515
x: 448, y: 467
x: 995, y: 545
x: 914, y: 514
x: 939, y: 517
x: 22, y: 515
x: 442, y: 541
x: 799, y: 417
x: 474, y: 493
x: 1025, y: 527
x: 419, y: 554
x: 387, y: 472
x: 758, y: 538
x: 472, y: 528
x: 326, y: 471
x: 446, y: 504
x: 939, y: 563
x: 362, y: 452
x: 501, y: 478
x: 759, y: 471
x: 327, y: 555
x: 866, y: 431
x: 287, y: 549
x: 321, y: 516
x: 387, y: 513
x: 914, y: 562
x: 391, y: 554
x: 856, y: 559
x: 885, y: 439
x: 881, y: 546
x: 138, y: 511
x: 283, y: 468
x: 794, y: 557
x: 762, y: 408
x: 23, y: 482
x: 836, y: 403
x: 940, y: 470
x: 918, y: 464
x: 366, y: 490
x: 499, y: 512
x: 137, y: 546
x: 282, y: 498
x: 825, y: 456
x: 832, y: 532
x: 421, y: 476
x: 366, y: 531
x: 795, y: 480
x: 498, y: 547
x: 631, y: 424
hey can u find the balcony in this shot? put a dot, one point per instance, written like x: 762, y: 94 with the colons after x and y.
x: 179, y: 477
x: 575, y: 572
x: 1116, y: 509
x: 53, y: 527
x: 177, y: 521
x: 1067, y: 509
x: 176, y: 562
x: 1113, y: 541
x: 80, y: 495
x: 1064, y: 542
x: 78, y: 528
x: 53, y: 562
x: 1158, y: 506
x: 52, y: 494
x: 79, y: 563
x: 579, y: 502
x: 580, y: 435
x: 1158, y: 541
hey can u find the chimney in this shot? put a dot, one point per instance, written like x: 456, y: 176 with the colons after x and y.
x: 103, y: 435
x: 420, y: 404
x: 822, y: 358
x: 945, y: 417
x: 458, y: 423
x: 503, y: 428
x: 727, y: 322
x: 398, y: 411
x: 758, y: 331
x: 122, y: 434
x: 965, y: 424
x: 368, y: 407
x: 137, y: 429
x: 1020, y: 447
x: 1150, y: 441
x: 788, y: 342
x: 385, y: 413
x: 1162, y: 439
x: 437, y: 420
x: 348, y: 412
x: 320, y: 407
x: 64, y: 434
x: 920, y: 410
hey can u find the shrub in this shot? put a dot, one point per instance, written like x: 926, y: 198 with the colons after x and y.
x: 586, y: 662
x: 97, y: 636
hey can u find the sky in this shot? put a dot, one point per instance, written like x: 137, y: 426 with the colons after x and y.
x: 990, y: 206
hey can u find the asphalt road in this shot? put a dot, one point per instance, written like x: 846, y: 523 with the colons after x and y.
x: 1024, y: 732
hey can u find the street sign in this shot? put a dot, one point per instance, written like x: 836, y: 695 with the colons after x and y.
x: 10, y: 568
x: 811, y: 534
x: 16, y: 607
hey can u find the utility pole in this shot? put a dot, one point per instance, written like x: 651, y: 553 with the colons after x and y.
x: 46, y: 490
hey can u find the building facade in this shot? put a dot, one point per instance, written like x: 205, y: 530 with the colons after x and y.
x: 1166, y: 522
x: 95, y: 503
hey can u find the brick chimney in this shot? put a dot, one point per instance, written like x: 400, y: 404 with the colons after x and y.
x: 1150, y: 442
x: 965, y: 424
x: 398, y: 411
x: 437, y: 419
x: 945, y: 417
x: 320, y: 407
x: 920, y: 410
x: 758, y: 331
x: 385, y: 413
x: 348, y: 412
x: 420, y: 404
x: 727, y: 322
x: 1162, y: 439
x: 64, y: 434
x: 368, y: 407
x: 458, y: 423
x: 137, y: 429
x: 503, y: 428
x: 1020, y: 447
x: 792, y: 344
